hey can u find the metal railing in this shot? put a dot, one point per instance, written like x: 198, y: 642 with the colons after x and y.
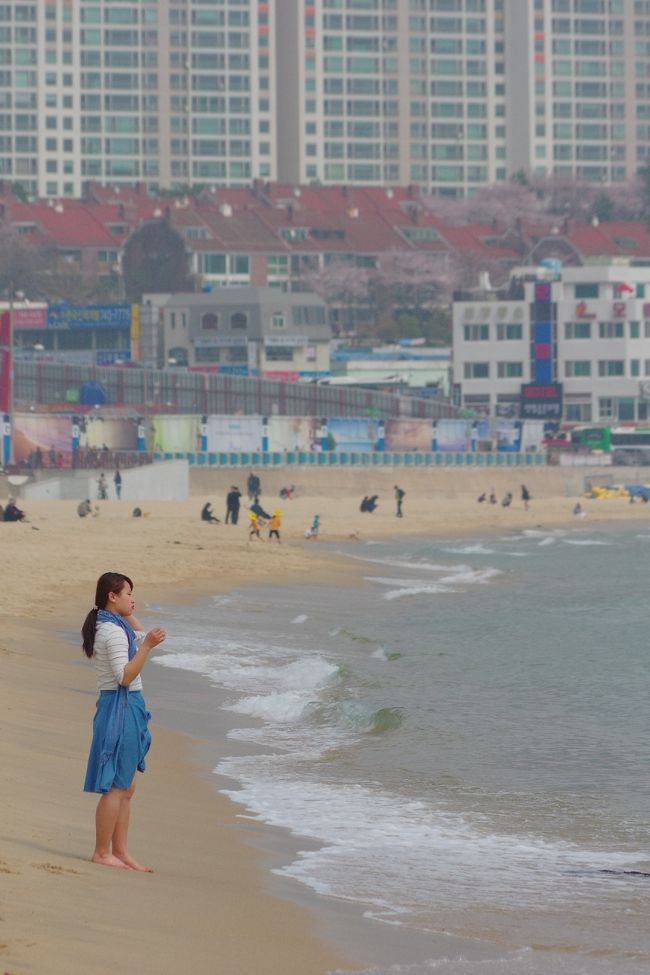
x: 351, y: 458
x: 176, y: 391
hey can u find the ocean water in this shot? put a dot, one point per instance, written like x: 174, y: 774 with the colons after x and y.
x: 464, y: 739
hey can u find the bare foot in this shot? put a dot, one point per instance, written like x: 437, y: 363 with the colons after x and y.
x: 127, y: 860
x: 108, y: 860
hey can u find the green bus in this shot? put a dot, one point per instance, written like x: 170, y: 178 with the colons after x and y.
x: 627, y: 445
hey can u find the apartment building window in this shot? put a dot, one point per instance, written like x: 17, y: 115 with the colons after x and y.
x: 210, y: 321
x: 634, y: 330
x: 579, y: 368
x: 206, y: 354
x: 279, y: 354
x: 476, y: 370
x: 611, y: 367
x: 476, y: 333
x: 606, y: 409
x: 635, y: 368
x: 611, y: 330
x: 577, y: 412
x: 510, y: 370
x: 238, y: 320
x: 587, y: 291
x: 577, y: 330
x: 509, y: 332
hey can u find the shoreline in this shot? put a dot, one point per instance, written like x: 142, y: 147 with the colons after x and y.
x: 47, y: 711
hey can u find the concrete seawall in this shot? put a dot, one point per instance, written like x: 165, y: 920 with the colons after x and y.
x: 163, y: 481
x: 432, y: 482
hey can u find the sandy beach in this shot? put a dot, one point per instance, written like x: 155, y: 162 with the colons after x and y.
x: 209, y: 906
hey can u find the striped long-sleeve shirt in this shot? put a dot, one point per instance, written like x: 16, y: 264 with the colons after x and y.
x: 112, y: 655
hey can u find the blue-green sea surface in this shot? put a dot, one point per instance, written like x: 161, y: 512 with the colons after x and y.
x: 464, y: 738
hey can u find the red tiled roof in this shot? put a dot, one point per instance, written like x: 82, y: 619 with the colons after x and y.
x: 370, y: 220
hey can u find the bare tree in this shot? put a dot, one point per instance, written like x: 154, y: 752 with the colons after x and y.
x: 21, y: 264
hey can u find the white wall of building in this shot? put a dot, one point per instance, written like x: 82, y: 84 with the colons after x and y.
x: 602, y: 345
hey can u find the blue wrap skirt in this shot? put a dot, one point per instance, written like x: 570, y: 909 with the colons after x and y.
x: 121, y: 739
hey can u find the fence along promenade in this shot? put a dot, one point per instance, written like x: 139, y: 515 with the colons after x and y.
x: 179, y: 391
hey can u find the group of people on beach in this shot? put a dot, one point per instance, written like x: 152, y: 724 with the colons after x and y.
x: 506, y: 500
x: 258, y: 517
x: 369, y: 502
x: 102, y: 485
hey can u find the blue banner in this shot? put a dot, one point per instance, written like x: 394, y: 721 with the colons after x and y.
x: 88, y: 316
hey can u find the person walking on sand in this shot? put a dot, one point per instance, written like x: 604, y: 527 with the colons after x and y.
x: 274, y: 526
x: 253, y: 486
x: 113, y: 639
x: 254, y: 528
x: 314, y: 530
x: 117, y: 481
x: 525, y: 497
x: 399, y: 497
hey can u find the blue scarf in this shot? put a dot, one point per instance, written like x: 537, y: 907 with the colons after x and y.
x: 115, y: 723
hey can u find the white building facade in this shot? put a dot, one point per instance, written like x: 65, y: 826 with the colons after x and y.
x: 598, y: 357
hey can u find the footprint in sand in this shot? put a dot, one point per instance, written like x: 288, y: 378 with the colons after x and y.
x: 5, y: 868
x: 53, y: 868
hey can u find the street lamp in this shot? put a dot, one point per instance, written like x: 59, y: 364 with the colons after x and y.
x: 11, y: 374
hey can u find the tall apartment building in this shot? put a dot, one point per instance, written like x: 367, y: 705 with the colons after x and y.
x: 172, y: 92
x: 450, y: 95
x: 454, y: 94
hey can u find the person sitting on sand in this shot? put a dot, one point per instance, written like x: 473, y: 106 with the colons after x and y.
x: 13, y: 513
x: 507, y: 500
x: 84, y: 508
x: 493, y: 496
x: 482, y: 497
x: 208, y: 515
x: 579, y: 511
x: 369, y: 503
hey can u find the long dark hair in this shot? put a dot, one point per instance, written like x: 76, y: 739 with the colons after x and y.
x: 109, y: 582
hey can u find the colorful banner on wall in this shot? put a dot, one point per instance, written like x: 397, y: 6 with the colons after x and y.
x: 174, y: 434
x: 35, y: 431
x: 234, y: 433
x: 348, y: 433
x: 408, y: 435
x: 293, y: 432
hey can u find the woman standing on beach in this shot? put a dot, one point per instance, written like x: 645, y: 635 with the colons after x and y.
x: 113, y: 638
